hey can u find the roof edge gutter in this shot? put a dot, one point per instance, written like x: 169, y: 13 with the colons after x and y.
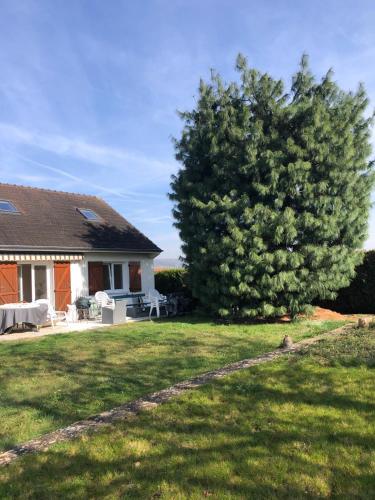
x: 19, y: 248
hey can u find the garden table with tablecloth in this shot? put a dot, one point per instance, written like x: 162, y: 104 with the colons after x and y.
x: 29, y: 313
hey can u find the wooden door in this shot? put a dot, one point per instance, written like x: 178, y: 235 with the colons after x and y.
x: 135, y: 279
x: 8, y: 283
x: 96, y: 277
x: 63, y: 294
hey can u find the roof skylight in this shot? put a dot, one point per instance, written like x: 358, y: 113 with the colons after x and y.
x: 89, y: 214
x: 7, y: 207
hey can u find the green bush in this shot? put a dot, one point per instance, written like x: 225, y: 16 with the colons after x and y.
x: 171, y: 281
x: 359, y: 296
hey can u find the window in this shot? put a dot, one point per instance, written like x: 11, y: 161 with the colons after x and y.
x: 40, y: 282
x: 89, y: 214
x: 105, y: 276
x: 32, y: 282
x: 117, y: 276
x: 135, y: 279
x: 8, y: 207
x: 25, y: 286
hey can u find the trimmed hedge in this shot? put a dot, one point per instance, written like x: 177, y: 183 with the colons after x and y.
x: 359, y: 296
x: 171, y: 281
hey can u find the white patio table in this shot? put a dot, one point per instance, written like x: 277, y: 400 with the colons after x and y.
x: 30, y: 313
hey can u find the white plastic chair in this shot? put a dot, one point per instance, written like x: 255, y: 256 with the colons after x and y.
x: 156, y: 300
x: 52, y: 315
x: 104, y: 300
x: 155, y: 294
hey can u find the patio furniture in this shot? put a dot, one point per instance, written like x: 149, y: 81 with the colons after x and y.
x: 115, y: 314
x: 157, y: 300
x: 104, y: 300
x: 52, y: 315
x: 138, y: 308
x: 127, y: 295
x: 28, y: 313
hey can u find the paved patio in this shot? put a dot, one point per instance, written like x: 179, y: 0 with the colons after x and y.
x: 80, y: 326
x: 48, y: 330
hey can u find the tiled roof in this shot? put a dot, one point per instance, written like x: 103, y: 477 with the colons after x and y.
x: 49, y: 220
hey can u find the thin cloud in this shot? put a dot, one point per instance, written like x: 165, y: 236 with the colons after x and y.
x: 65, y: 146
x: 125, y: 195
x: 153, y: 220
x: 8, y: 174
x: 71, y: 177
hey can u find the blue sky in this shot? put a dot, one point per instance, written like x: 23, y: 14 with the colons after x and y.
x: 89, y: 88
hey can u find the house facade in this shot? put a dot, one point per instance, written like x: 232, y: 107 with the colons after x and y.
x: 61, y: 246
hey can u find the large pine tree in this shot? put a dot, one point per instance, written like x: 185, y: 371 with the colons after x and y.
x: 273, y: 197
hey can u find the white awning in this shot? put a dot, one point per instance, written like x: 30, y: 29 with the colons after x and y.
x: 39, y: 257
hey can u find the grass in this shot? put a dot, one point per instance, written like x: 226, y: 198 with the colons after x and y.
x: 300, y: 427
x: 54, y: 381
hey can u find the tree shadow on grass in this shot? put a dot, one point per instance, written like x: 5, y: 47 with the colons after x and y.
x: 82, y: 387
x: 219, y: 441
x: 95, y: 377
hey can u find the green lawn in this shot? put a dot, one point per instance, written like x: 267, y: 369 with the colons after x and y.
x: 54, y: 381
x: 300, y: 427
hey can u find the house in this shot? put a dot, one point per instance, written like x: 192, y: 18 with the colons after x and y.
x: 61, y: 246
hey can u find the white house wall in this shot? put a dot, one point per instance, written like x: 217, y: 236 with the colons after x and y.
x: 77, y: 279
x: 80, y: 277
x: 79, y: 272
x: 147, y: 273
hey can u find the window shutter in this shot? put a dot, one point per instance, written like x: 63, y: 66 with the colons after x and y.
x: 135, y: 279
x: 62, y: 285
x: 96, y: 277
x: 8, y: 283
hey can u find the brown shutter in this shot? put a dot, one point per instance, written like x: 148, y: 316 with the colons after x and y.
x: 63, y: 294
x: 135, y: 279
x: 96, y: 277
x: 8, y: 283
